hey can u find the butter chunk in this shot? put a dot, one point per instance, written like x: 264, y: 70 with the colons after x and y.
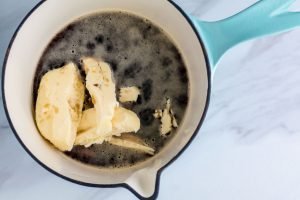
x: 158, y: 113
x: 129, y: 94
x: 59, y: 106
x: 89, y: 137
x: 101, y: 86
x: 88, y: 120
x: 132, y: 142
x: 174, y: 121
x: 167, y: 117
x: 124, y: 121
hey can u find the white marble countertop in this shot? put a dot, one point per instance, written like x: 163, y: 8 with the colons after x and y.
x: 248, y: 148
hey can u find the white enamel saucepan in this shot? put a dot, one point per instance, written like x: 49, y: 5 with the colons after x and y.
x: 202, y: 44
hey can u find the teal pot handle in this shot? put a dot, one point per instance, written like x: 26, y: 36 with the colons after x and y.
x: 263, y: 18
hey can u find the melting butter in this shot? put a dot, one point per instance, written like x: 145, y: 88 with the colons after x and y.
x: 167, y: 118
x: 101, y: 86
x: 129, y: 94
x: 59, y: 106
x: 124, y: 121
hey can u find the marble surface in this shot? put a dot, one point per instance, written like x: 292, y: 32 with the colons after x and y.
x: 248, y: 148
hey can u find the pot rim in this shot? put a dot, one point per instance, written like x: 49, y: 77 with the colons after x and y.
x: 124, y: 185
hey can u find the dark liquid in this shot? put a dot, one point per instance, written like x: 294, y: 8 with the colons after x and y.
x: 141, y: 55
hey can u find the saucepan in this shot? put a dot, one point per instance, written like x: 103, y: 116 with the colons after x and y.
x: 201, y: 43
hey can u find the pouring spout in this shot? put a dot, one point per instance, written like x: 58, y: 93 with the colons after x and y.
x: 145, y: 183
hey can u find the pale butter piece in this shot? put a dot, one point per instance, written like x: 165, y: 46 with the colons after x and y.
x: 88, y: 120
x: 89, y: 137
x: 132, y: 144
x: 174, y: 121
x: 124, y: 121
x: 158, y: 113
x: 101, y: 86
x: 129, y: 94
x: 59, y: 106
x: 168, y: 120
